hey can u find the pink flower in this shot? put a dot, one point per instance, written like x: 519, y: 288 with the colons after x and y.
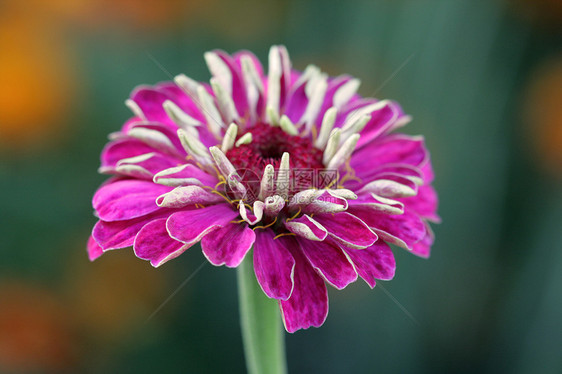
x: 295, y: 165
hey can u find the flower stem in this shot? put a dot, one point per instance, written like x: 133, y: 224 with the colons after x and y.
x: 262, y: 332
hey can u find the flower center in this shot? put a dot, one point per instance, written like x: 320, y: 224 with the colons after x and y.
x: 267, y: 146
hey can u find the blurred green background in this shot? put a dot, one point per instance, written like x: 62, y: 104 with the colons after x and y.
x: 483, y: 81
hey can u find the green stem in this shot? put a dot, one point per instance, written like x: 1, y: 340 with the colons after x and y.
x: 262, y: 331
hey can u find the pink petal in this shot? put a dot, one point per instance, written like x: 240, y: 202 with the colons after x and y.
x: 153, y: 243
x: 94, y: 249
x: 375, y: 262
x: 190, y: 226
x: 150, y: 101
x: 117, y: 150
x: 308, y: 304
x: 273, y: 265
x: 347, y: 229
x: 228, y: 245
x: 397, y: 148
x: 423, y: 247
x: 401, y: 229
x: 127, y: 199
x: 382, y: 120
x: 296, y: 103
x: 121, y: 234
x: 330, y: 261
x: 424, y: 203
x: 239, y: 94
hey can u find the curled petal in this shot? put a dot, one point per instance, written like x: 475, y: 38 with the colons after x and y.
x: 187, y: 195
x: 307, y: 227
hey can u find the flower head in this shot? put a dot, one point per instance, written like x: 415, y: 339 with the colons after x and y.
x: 295, y: 165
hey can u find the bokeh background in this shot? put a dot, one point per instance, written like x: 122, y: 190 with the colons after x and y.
x: 483, y: 81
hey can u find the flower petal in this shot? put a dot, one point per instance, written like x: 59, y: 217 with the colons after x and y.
x: 183, y: 175
x: 307, y: 227
x: 153, y: 243
x: 347, y: 230
x: 330, y: 261
x: 94, y: 249
x: 424, y: 203
x: 423, y: 247
x: 190, y: 226
x: 127, y: 199
x: 375, y: 262
x: 187, y: 195
x: 273, y: 265
x: 228, y: 245
x: 403, y: 230
x: 121, y: 234
x: 308, y: 304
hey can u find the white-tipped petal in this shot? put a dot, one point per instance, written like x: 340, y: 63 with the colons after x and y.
x: 229, y: 137
x: 188, y: 85
x: 273, y: 205
x: 388, y: 188
x: 220, y: 70
x: 344, y: 152
x: 367, y: 109
x: 331, y: 145
x: 154, y: 138
x: 267, y: 184
x: 210, y: 111
x: 244, y: 139
x: 249, y: 70
x: 343, y: 193
x: 224, y: 100
x: 254, y: 85
x: 316, y: 87
x: 305, y: 197
x: 284, y: 176
x: 354, y: 127
x: 129, y: 166
x: 326, y: 128
x: 135, y: 108
x: 194, y: 147
x: 272, y: 115
x: 255, y: 215
x: 180, y: 118
x: 346, y: 92
x: 186, y: 195
x: 236, y: 186
x: 308, y: 228
x: 223, y: 163
x: 168, y: 177
x: 274, y: 79
x: 288, y: 126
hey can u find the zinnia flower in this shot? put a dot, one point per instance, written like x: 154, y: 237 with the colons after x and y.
x: 295, y: 165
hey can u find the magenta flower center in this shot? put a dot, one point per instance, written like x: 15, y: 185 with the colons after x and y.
x: 267, y: 146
